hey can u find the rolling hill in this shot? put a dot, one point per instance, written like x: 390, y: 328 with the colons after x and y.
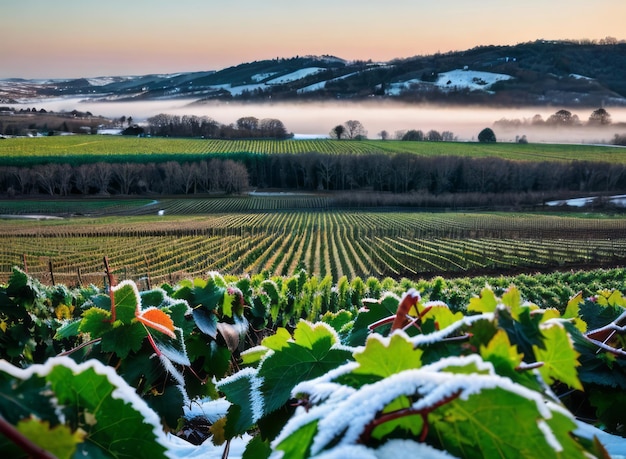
x: 538, y: 73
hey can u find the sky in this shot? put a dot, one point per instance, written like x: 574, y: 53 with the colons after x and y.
x: 85, y: 38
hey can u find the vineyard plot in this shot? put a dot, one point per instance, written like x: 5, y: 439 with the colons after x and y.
x: 324, y: 243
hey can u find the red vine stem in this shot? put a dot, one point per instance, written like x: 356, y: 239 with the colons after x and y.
x: 26, y: 445
x: 366, y: 435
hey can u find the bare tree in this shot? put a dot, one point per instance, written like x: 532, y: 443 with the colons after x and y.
x: 354, y: 129
x: 101, y: 176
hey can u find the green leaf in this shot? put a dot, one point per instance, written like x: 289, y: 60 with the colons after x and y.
x: 68, y: 330
x: 278, y: 340
x: 513, y: 299
x: 208, y: 295
x: 127, y: 301
x: 58, y: 440
x: 486, y: 302
x: 96, y: 322
x: 384, y: 359
x: 310, y: 356
x: 242, y: 389
x: 123, y: 339
x: 573, y: 306
x: 502, y: 354
x: 206, y: 321
x: 114, y: 420
x: 257, y: 448
x: 559, y: 358
x: 524, y: 332
x: 298, y: 444
x: 501, y: 424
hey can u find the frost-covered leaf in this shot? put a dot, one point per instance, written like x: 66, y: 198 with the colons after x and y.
x: 559, y: 357
x: 278, y: 340
x: 310, y: 355
x: 501, y: 423
x: 383, y: 357
x: 113, y: 420
x: 127, y: 301
x: 243, y: 390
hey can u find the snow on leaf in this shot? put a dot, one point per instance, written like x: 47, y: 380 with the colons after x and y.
x: 312, y: 354
x: 559, y: 357
x: 122, y: 423
x: 242, y: 390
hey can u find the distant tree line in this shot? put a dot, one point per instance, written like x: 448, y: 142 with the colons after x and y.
x: 234, y: 173
x: 164, y: 125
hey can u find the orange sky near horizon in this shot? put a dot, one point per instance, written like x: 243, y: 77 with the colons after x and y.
x: 77, y: 38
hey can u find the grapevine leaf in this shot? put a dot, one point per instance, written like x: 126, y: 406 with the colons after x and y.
x: 257, y: 448
x: 173, y: 348
x: 513, y: 299
x: 127, y: 301
x: 242, y: 390
x: 597, y: 315
x: 206, y: 321
x: 311, y: 355
x: 499, y: 423
x: 486, y: 302
x: 442, y: 316
x: 298, y: 444
x: 501, y: 354
x: 383, y: 360
x: 95, y: 321
x: 123, y: 339
x: 227, y: 303
x: 374, y: 312
x: 573, y: 306
x: 115, y: 422
x: 69, y: 330
x: 559, y: 358
x: 58, y: 440
x: 524, y: 332
x: 209, y: 296
x: 278, y: 340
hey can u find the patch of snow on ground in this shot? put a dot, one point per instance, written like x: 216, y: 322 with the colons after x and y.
x: 617, y: 200
x: 297, y: 75
x: 322, y: 84
x: 261, y: 76
x: 395, y: 89
x: 580, y: 77
x: 469, y: 79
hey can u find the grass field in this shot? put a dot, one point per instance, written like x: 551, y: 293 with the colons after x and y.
x: 68, y: 148
x: 325, y: 243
